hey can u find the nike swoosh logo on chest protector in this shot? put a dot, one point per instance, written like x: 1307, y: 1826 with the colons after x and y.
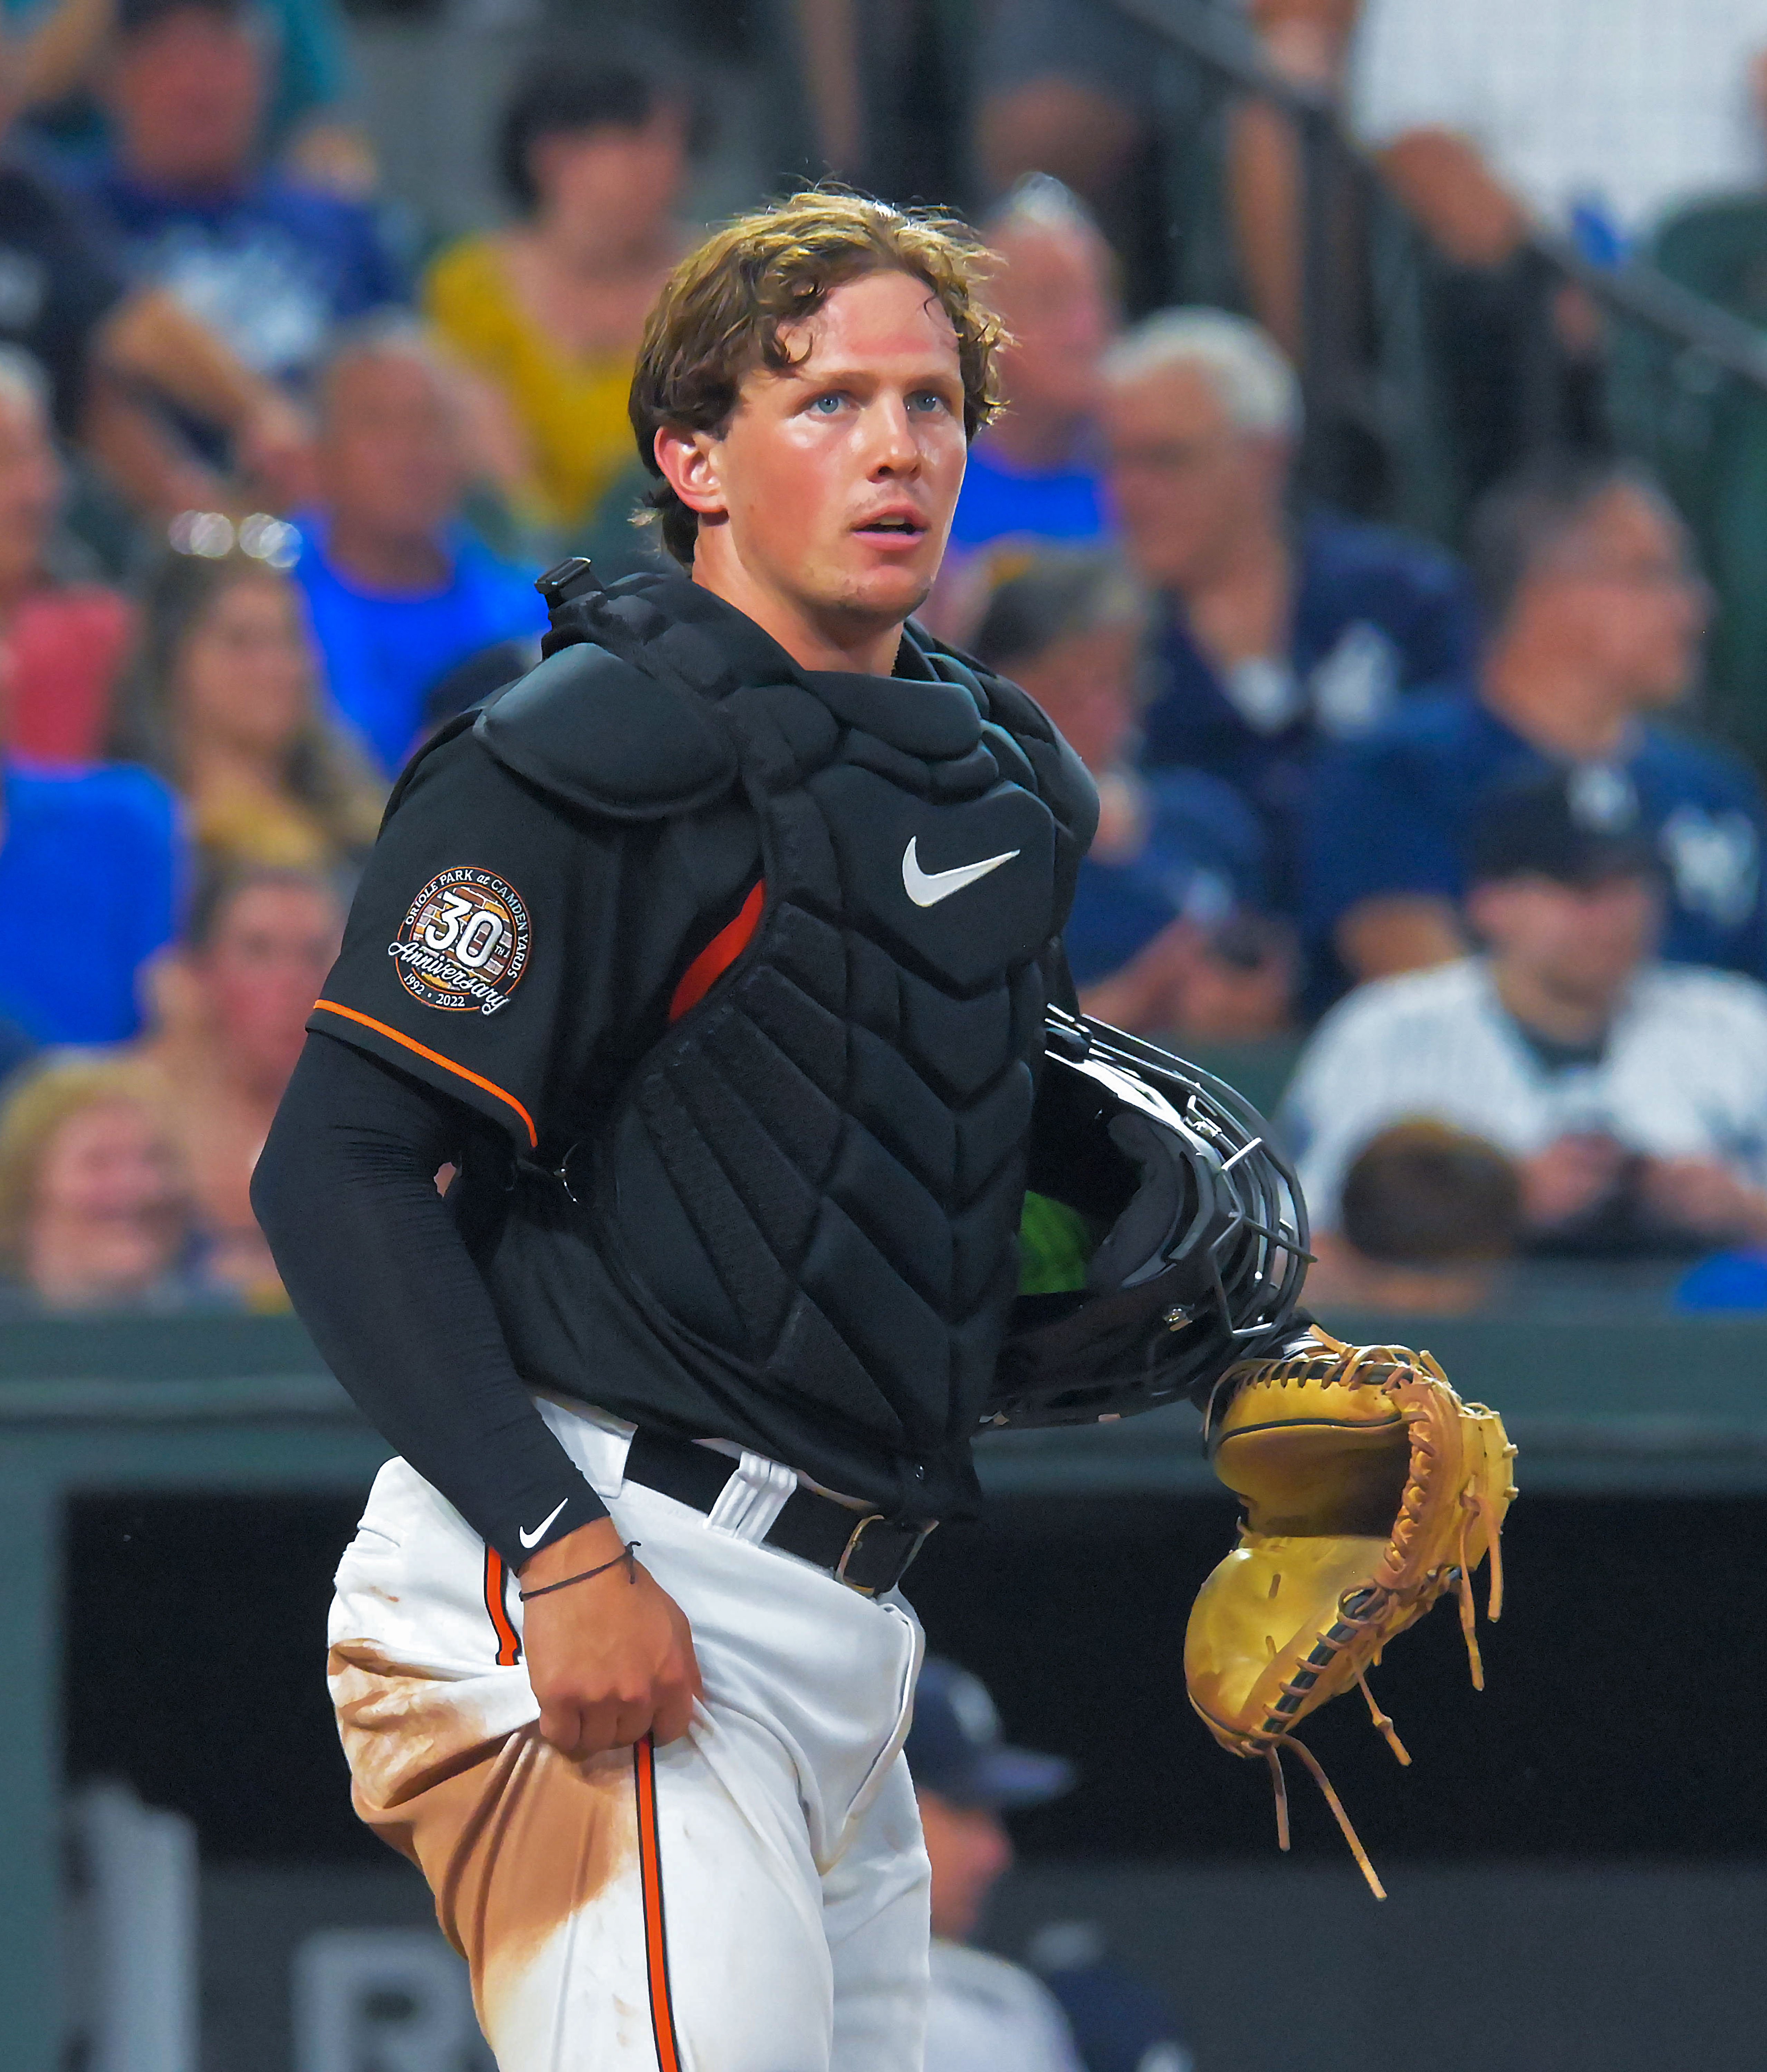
x: 926, y: 888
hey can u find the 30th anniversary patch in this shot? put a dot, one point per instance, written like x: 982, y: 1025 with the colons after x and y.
x: 462, y: 945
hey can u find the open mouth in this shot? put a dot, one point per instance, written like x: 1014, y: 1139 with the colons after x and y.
x: 896, y: 527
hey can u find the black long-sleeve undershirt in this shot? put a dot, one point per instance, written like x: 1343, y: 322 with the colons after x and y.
x: 375, y: 1263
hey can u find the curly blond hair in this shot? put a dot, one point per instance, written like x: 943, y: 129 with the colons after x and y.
x: 721, y: 314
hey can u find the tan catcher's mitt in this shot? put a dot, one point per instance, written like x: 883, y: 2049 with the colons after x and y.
x: 1370, y: 1488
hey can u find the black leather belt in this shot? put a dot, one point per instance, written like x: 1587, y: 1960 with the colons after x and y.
x: 865, y: 1550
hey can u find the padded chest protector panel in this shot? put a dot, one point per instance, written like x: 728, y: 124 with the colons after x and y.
x: 811, y: 1187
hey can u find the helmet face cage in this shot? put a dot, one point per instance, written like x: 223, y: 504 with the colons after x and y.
x: 1227, y: 1283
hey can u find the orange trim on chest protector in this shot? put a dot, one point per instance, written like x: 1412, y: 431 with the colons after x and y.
x: 435, y: 1057
x: 717, y: 958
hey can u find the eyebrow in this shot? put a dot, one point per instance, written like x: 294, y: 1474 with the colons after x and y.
x: 845, y: 372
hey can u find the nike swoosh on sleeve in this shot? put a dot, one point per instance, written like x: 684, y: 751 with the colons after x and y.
x: 532, y: 1538
x: 926, y: 888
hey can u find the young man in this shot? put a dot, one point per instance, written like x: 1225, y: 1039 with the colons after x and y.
x: 717, y: 954
x: 1630, y: 1093
x: 789, y: 1229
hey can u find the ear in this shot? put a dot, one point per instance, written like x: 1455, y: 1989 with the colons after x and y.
x: 691, y: 465
x: 1485, y: 908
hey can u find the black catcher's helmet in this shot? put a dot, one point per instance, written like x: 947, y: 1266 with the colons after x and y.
x: 1205, y: 1234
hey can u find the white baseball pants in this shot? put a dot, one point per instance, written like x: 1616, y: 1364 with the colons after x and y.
x: 752, y: 1898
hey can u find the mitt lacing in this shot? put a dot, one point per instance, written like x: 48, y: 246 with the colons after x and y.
x: 1273, y: 1757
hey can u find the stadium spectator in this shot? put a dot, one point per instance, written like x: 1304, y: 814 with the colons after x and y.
x: 1092, y: 2016
x: 58, y: 58
x: 222, y: 702
x: 102, y: 344
x: 1274, y: 638
x: 1427, y: 1215
x: 1594, y: 614
x: 594, y: 155
x: 93, y: 1210
x: 1034, y: 472
x: 270, y: 265
x: 1086, y: 94
x: 1593, y: 118
x: 1166, y: 936
x: 62, y: 641
x: 1632, y: 1092
x: 399, y: 591
x: 1307, y: 42
x: 983, y: 2010
x: 235, y: 1001
x: 90, y: 868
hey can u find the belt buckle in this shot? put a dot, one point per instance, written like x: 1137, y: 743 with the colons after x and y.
x: 856, y: 1538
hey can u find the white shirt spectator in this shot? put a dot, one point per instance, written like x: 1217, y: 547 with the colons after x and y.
x: 1625, y: 107
x: 986, y: 2015
x: 1683, y: 1074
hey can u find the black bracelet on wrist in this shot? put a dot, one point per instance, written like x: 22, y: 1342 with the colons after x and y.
x: 625, y: 1554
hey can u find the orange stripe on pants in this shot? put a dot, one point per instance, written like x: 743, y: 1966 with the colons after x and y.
x: 649, y: 1863
x: 496, y: 1585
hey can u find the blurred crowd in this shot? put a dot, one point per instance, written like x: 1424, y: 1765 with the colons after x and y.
x: 1422, y: 835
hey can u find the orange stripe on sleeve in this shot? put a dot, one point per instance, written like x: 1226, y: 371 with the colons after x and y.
x: 717, y: 958
x: 435, y: 1058
x: 649, y: 1865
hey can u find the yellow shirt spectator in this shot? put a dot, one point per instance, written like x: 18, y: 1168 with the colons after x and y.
x: 571, y: 408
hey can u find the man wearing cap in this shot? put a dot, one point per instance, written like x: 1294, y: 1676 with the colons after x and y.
x: 985, y: 2012
x: 1631, y: 1092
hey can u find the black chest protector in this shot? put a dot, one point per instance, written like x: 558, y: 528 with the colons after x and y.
x: 811, y: 1187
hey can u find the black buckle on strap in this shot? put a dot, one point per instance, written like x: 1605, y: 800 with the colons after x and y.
x: 874, y: 1565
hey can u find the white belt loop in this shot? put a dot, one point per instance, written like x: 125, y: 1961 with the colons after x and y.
x: 753, y: 1497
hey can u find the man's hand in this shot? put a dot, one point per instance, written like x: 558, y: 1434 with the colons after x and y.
x: 611, y: 1659
x: 1569, y: 1177
x: 1696, y: 1194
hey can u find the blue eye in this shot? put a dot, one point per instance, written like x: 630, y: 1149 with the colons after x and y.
x: 827, y: 406
x: 928, y: 399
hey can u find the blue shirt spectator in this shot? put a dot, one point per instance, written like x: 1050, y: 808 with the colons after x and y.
x: 1595, y: 616
x: 1373, y: 613
x: 89, y: 879
x: 1272, y: 639
x: 1200, y: 857
x: 1035, y: 474
x: 398, y: 590
x: 1391, y: 815
x: 271, y: 266
x: 1168, y: 933
x: 384, y: 652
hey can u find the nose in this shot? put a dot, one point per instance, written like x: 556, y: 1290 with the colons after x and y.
x: 895, y: 450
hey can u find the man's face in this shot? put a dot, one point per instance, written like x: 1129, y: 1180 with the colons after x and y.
x: 615, y: 183
x: 188, y: 93
x: 30, y: 490
x: 1054, y: 293
x: 262, y: 971
x: 1086, y: 683
x: 1581, y: 943
x: 1621, y: 595
x: 836, y: 480
x: 968, y: 1848
x: 1188, y: 487
x: 392, y: 453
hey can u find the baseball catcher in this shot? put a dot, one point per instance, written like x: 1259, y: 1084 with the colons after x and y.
x: 716, y: 962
